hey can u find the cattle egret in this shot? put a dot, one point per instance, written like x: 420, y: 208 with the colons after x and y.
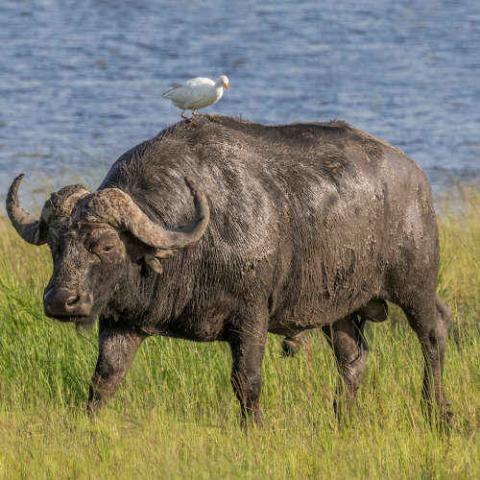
x: 197, y: 93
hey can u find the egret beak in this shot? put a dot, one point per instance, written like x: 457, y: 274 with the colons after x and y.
x: 227, y: 86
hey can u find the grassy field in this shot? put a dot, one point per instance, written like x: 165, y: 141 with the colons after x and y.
x: 175, y: 416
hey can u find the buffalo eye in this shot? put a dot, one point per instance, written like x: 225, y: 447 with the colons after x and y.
x: 107, y: 248
x: 97, y: 248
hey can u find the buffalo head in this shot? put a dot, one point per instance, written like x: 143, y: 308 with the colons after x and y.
x: 94, y: 239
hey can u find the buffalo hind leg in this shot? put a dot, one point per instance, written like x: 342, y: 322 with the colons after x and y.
x: 247, y: 356
x: 350, y: 349
x: 117, y: 348
x: 433, y: 337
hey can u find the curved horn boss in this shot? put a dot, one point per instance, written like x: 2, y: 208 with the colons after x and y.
x: 117, y: 208
x: 57, y: 207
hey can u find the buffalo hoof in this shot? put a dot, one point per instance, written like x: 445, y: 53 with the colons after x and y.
x: 446, y: 416
x: 251, y: 421
x: 440, y: 417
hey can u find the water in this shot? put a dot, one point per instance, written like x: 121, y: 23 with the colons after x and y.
x: 80, y: 82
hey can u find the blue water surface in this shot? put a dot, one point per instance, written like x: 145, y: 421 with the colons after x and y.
x: 81, y: 82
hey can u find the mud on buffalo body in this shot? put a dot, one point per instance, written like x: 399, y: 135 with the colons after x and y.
x: 220, y: 229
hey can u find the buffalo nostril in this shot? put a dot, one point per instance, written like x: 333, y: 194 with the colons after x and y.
x: 61, y: 302
x: 72, y: 300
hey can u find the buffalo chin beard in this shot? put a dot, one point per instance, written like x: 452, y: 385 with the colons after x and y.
x: 87, y: 322
x: 81, y: 322
x: 84, y: 322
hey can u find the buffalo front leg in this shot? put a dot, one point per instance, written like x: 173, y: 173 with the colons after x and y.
x: 247, y: 355
x: 116, y: 350
x: 350, y: 349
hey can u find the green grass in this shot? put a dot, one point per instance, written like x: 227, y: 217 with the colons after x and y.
x: 175, y: 416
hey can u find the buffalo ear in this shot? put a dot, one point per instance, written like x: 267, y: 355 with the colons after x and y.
x: 153, y: 259
x: 154, y: 263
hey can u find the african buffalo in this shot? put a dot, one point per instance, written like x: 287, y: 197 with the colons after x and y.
x: 294, y: 227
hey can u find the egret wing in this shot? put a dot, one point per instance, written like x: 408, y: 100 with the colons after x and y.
x: 200, y: 82
x: 192, y: 95
x: 174, y: 87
